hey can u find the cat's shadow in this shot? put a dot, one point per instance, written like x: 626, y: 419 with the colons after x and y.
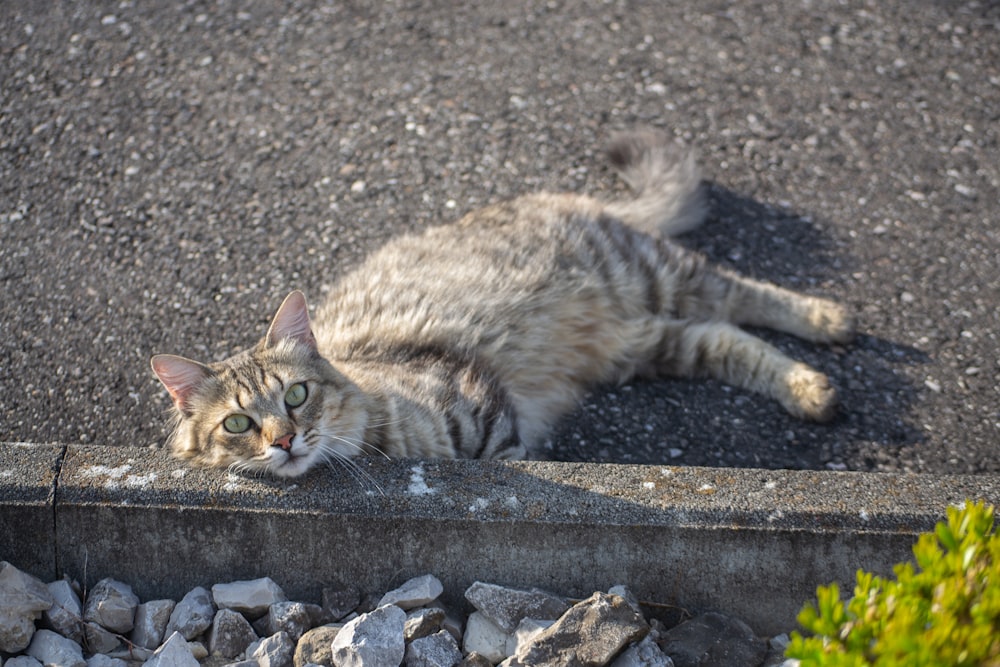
x: 703, y: 422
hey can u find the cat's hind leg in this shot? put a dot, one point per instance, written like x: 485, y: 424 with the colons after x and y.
x: 740, y: 300
x: 726, y: 352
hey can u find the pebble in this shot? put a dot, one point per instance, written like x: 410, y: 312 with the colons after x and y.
x: 51, y: 649
x: 22, y: 661
x: 437, y: 650
x: 99, y: 639
x: 151, y: 619
x: 510, y: 627
x: 23, y: 599
x: 592, y: 632
x: 414, y: 593
x: 231, y: 634
x: 252, y: 598
x: 314, y: 647
x: 192, y: 615
x: 278, y: 650
x: 423, y: 622
x: 111, y: 604
x: 66, y: 611
x: 374, y: 639
x: 506, y: 607
x: 175, y: 652
x: 712, y: 640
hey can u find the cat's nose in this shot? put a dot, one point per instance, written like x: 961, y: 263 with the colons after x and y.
x: 285, y: 441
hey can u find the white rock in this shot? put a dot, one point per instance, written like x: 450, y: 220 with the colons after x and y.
x: 526, y: 630
x: 274, y: 651
x: 414, y: 593
x: 192, y: 615
x: 437, y: 650
x: 23, y: 598
x: 151, y: 620
x: 66, y: 611
x: 644, y: 654
x: 174, y: 653
x: 53, y: 650
x: 485, y: 637
x: 251, y: 597
x: 111, y: 604
x: 374, y: 639
x: 101, y: 660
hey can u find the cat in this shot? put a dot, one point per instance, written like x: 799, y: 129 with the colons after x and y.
x: 472, y: 339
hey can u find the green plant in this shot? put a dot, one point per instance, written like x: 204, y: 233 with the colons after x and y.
x: 945, y: 612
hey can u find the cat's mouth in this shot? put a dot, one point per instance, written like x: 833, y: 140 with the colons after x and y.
x: 292, y: 465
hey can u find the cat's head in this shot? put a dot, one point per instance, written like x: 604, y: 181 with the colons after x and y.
x: 276, y: 408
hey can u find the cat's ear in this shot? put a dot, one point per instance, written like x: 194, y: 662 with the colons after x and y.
x: 181, y: 377
x: 291, y: 321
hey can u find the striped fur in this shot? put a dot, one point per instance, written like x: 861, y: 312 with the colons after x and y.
x: 473, y: 339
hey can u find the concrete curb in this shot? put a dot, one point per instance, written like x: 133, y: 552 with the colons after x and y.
x: 754, y: 543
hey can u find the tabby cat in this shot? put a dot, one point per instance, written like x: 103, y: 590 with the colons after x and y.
x: 472, y: 339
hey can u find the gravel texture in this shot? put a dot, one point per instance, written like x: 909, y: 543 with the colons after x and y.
x: 510, y: 627
x: 171, y: 170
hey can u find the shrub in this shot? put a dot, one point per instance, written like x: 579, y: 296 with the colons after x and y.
x: 946, y: 611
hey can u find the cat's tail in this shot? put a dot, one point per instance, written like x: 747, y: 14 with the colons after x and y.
x: 665, y: 178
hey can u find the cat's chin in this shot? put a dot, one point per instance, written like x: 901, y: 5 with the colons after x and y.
x: 292, y: 465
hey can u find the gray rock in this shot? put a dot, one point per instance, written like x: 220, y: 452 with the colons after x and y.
x: 251, y: 597
x: 644, y: 654
x: 65, y: 615
x: 437, y: 650
x: 101, y: 660
x: 192, y: 615
x: 593, y: 632
x: 374, y: 639
x: 98, y: 639
x: 151, y: 619
x: 414, y: 593
x: 290, y: 617
x: 485, y: 637
x: 278, y: 650
x: 22, y: 661
x: 422, y: 623
x: 712, y: 640
x: 175, y: 652
x: 338, y: 602
x: 53, y: 650
x: 242, y: 663
x: 314, y: 647
x: 111, y: 604
x: 231, y: 634
x: 509, y: 606
x: 23, y: 598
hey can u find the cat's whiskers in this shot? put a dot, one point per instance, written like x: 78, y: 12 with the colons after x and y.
x: 360, y: 475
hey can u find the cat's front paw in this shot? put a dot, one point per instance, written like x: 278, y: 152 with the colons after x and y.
x: 809, y: 394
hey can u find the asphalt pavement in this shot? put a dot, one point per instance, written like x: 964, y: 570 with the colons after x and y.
x: 170, y: 170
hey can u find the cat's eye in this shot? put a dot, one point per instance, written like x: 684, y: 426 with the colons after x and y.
x: 296, y: 395
x: 236, y: 423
